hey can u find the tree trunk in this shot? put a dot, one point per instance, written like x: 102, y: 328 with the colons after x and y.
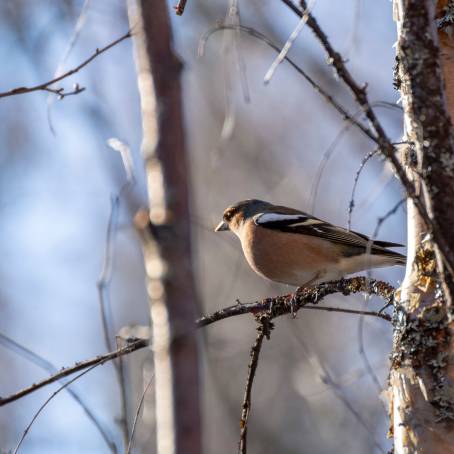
x: 166, y: 232
x: 421, y: 378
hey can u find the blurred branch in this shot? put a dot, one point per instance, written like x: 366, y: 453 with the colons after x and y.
x: 41, y: 408
x: 133, y: 346
x: 263, y: 330
x: 43, y: 363
x: 350, y: 311
x: 281, y: 305
x: 137, y: 415
x: 351, y: 204
x: 256, y: 34
x: 328, y: 153
x: 46, y: 86
x: 286, y: 48
x: 105, y: 278
x: 166, y: 232
x: 322, y: 371
x: 80, y: 22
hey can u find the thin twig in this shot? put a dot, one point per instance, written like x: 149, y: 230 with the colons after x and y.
x: 133, y: 346
x: 72, y: 42
x: 328, y: 153
x: 285, y: 50
x: 325, y: 377
x: 46, y: 86
x: 136, y: 417
x: 361, y: 348
x: 179, y: 8
x: 263, y: 330
x: 250, y: 31
x: 351, y: 204
x: 46, y: 365
x: 35, y: 416
x: 233, y: 18
x: 350, y: 311
x: 105, y: 279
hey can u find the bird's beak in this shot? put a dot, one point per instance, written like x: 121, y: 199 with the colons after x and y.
x: 222, y: 226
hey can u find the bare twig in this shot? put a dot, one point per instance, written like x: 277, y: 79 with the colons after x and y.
x: 179, y: 8
x: 285, y: 50
x: 72, y: 41
x: 338, y: 392
x: 350, y: 311
x: 328, y: 153
x: 250, y: 31
x: 46, y: 365
x: 233, y: 18
x: 326, y: 377
x: 362, y: 351
x: 263, y: 330
x: 351, y: 204
x: 324, y: 161
x: 46, y: 86
x: 35, y: 416
x: 136, y: 417
x: 105, y: 278
x: 133, y: 346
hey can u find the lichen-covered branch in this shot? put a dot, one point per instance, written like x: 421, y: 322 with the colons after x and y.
x: 286, y: 304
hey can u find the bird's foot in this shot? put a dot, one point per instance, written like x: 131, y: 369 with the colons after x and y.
x: 294, y: 301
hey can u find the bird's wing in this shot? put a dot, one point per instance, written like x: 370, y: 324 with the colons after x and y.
x: 298, y: 222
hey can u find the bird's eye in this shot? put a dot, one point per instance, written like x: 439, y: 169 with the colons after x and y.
x: 228, y: 215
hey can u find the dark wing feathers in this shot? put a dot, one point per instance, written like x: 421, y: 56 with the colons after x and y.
x: 294, y: 221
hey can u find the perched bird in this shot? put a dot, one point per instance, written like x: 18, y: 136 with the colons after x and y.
x: 292, y: 247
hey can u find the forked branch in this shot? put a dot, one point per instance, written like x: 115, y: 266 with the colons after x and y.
x: 60, y: 92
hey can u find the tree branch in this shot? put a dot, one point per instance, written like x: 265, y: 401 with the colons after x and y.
x: 46, y: 86
x: 281, y: 305
x: 43, y: 363
x: 133, y: 346
x: 319, y: 89
x: 272, y: 307
x: 263, y: 330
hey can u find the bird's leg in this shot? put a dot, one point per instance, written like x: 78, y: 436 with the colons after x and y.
x: 294, y: 302
x: 294, y: 299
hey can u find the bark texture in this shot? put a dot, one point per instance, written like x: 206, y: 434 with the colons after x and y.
x: 166, y: 232
x: 421, y: 382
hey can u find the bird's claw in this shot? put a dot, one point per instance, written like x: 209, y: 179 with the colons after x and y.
x: 294, y: 303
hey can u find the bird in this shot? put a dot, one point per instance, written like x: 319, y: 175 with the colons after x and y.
x: 292, y: 247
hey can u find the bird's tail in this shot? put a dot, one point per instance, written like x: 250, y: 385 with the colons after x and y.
x: 396, y: 258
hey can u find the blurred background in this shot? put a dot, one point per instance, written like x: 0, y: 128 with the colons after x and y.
x: 313, y: 392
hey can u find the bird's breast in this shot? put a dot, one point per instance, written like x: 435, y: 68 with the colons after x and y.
x: 289, y: 258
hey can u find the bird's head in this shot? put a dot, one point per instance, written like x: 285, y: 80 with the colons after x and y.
x: 235, y: 215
